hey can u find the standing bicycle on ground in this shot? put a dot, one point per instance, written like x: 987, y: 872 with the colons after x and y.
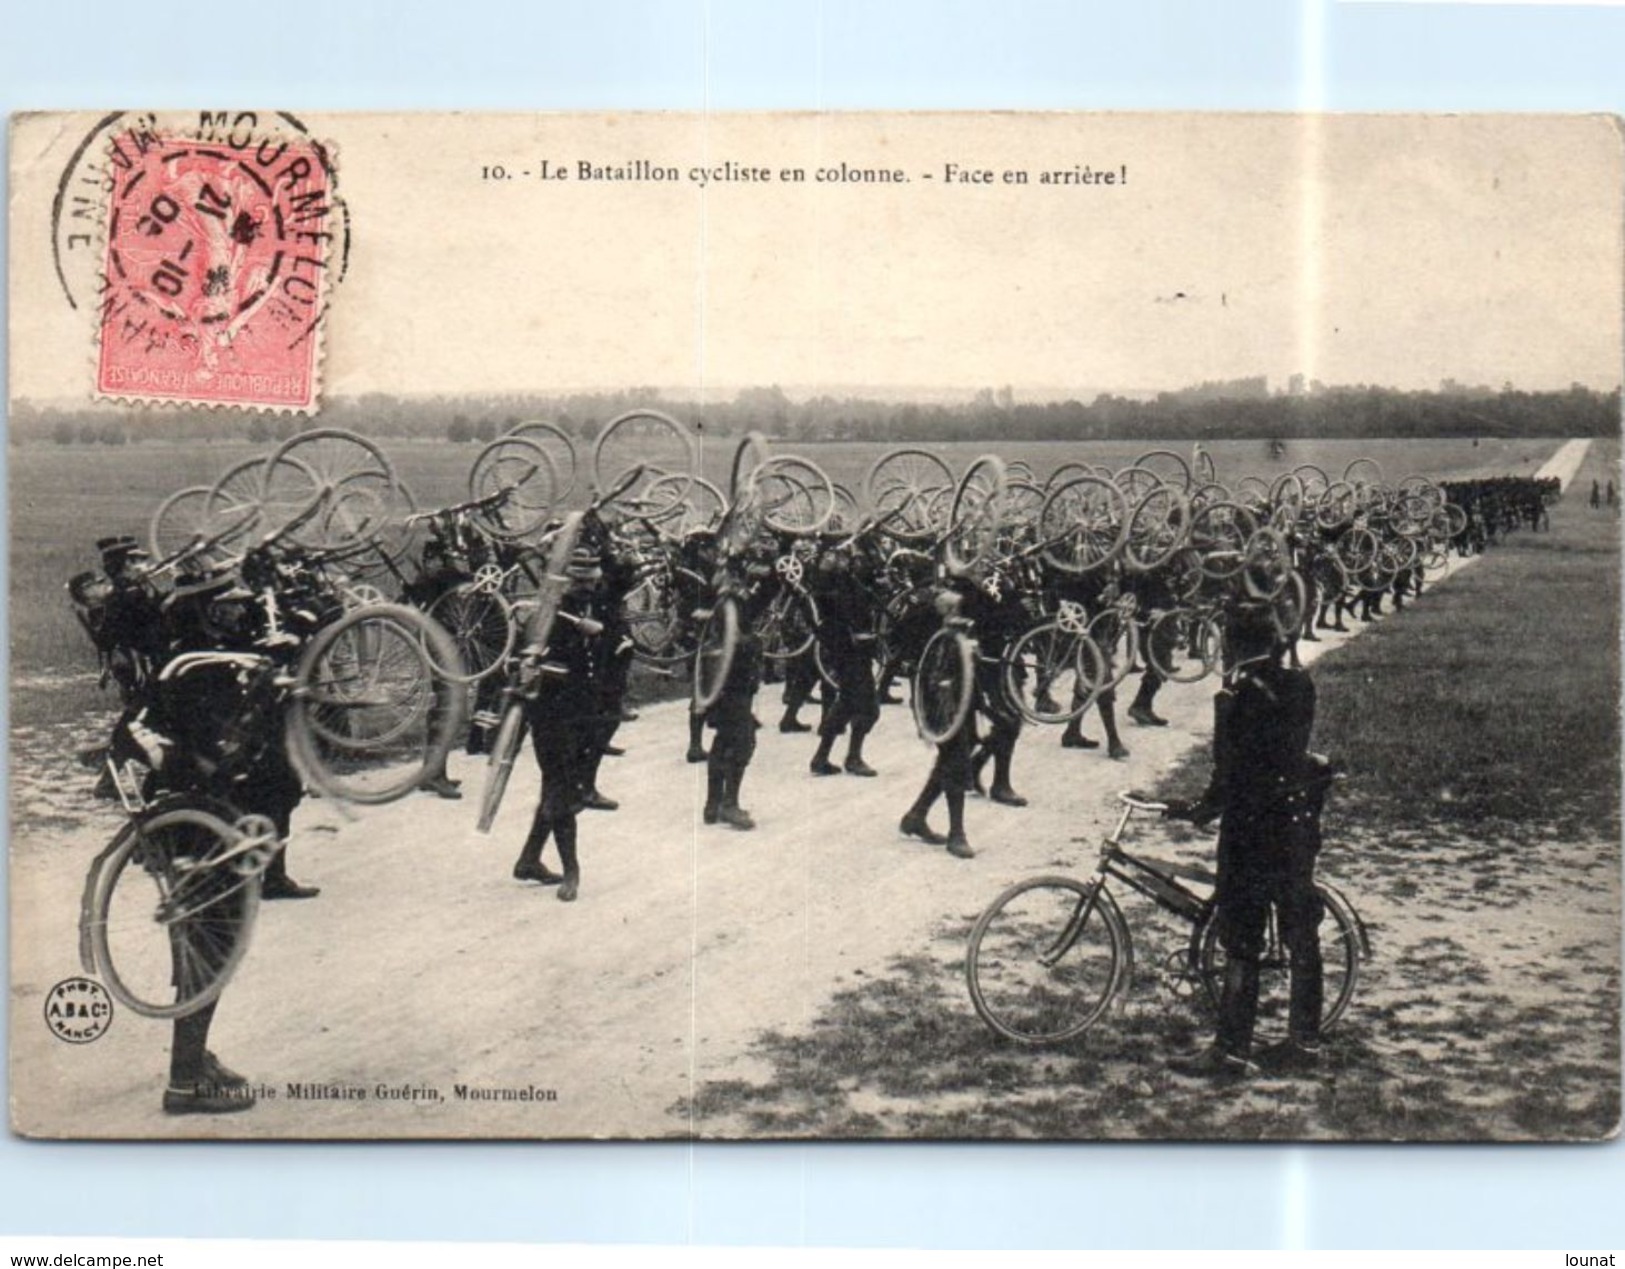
x: 1268, y: 791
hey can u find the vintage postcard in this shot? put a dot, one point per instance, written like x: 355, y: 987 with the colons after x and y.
x: 1061, y: 626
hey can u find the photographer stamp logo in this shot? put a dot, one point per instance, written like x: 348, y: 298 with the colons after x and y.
x: 78, y: 1010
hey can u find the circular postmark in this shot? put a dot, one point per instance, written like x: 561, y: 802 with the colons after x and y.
x: 207, y: 246
x: 78, y: 1010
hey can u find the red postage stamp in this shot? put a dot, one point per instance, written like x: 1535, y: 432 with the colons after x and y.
x: 216, y: 271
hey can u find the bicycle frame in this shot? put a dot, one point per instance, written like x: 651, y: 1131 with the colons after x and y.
x: 1012, y: 941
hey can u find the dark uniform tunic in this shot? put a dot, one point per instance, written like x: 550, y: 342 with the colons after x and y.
x: 1269, y: 793
x: 846, y: 624
x: 732, y: 714
x: 563, y: 718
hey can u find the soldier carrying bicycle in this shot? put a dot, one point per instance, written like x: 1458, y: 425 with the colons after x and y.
x: 845, y: 588
x: 203, y: 732
x: 562, y: 716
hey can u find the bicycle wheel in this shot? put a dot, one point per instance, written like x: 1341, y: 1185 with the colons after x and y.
x: 1342, y: 947
x: 1024, y: 503
x: 237, y: 495
x: 556, y: 445
x: 355, y: 513
x: 944, y: 686
x: 1357, y: 550
x: 499, y: 767
x: 1219, y: 532
x: 520, y: 477
x: 1253, y: 493
x: 788, y: 625
x: 1289, y: 607
x: 794, y: 494
x: 653, y: 623
x: 897, y: 486
x: 719, y: 641
x: 1136, y: 482
x: 1156, y: 529
x: 394, y: 540
x: 1313, y: 480
x: 975, y: 516
x: 185, y: 517
x: 1336, y: 505
x: 1184, y: 646
x: 848, y: 515
x: 1117, y: 637
x: 1206, y: 494
x: 1047, y: 959
x: 1363, y: 471
x: 1167, y: 467
x: 1083, y: 524
x: 649, y: 439
x: 1287, y: 494
x: 1051, y: 675
x: 1397, y: 554
x: 482, y: 627
x: 699, y: 505
x: 1266, y: 564
x: 369, y: 717
x: 178, y: 521
x: 173, y: 909
x: 310, y: 466
x: 1066, y: 472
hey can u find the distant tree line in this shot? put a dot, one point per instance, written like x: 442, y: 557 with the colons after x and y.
x: 1231, y: 408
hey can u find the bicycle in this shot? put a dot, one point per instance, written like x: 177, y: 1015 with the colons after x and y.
x: 1051, y: 954
x: 527, y: 668
x: 169, y: 904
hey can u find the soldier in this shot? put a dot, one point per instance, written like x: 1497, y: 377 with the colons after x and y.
x: 846, y: 619
x: 1154, y: 594
x: 1098, y: 594
x: 562, y: 717
x: 801, y: 679
x: 199, y: 734
x: 1268, y: 790
x: 172, y: 720
x: 733, y: 715
x: 133, y: 625
x: 996, y: 610
x: 612, y: 671
x: 951, y: 770
x: 696, y: 561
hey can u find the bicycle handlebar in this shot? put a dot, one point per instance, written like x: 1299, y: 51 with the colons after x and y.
x: 461, y: 508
